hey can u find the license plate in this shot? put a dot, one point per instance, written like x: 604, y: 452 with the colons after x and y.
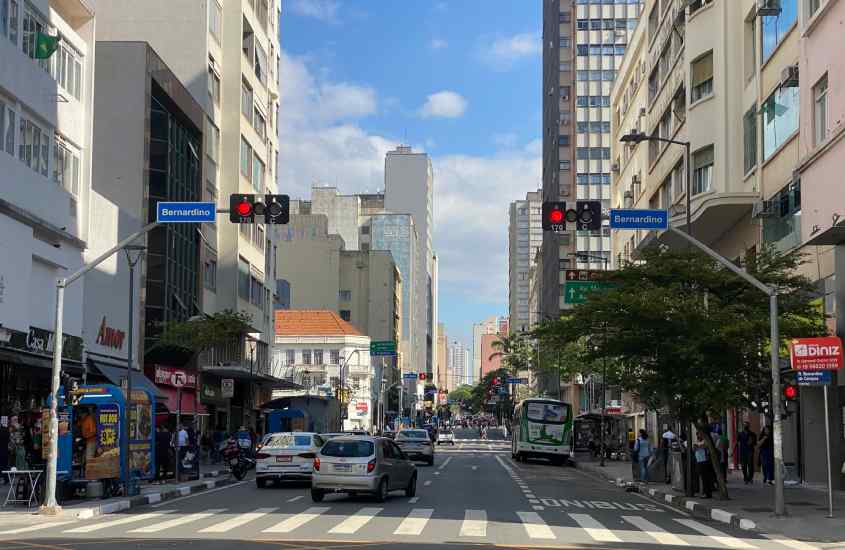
x: 283, y: 459
x: 342, y: 467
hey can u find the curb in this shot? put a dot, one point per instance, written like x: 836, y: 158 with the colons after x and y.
x: 86, y: 512
x: 680, y: 502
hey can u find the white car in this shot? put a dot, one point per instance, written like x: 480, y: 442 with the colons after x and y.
x: 445, y: 436
x: 287, y: 457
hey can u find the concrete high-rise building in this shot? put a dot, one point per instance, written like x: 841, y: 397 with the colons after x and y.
x: 441, y: 377
x: 525, y: 238
x: 457, y: 372
x: 409, y: 188
x: 487, y: 326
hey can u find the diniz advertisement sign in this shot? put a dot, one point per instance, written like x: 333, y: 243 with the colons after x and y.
x: 175, y: 377
x: 808, y: 354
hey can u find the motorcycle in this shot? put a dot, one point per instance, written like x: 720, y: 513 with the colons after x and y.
x: 235, y: 456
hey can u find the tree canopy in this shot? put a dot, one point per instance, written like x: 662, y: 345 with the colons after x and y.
x: 205, y: 332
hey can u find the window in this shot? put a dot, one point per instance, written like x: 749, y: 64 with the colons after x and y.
x: 345, y: 295
x: 702, y: 77
x: 257, y: 174
x: 215, y: 20
x: 209, y: 274
x: 565, y: 66
x: 213, y: 86
x: 10, y: 13
x: 261, y: 64
x: 66, y: 69
x: 565, y: 17
x: 247, y: 100
x: 66, y: 166
x: 246, y: 158
x: 306, y: 357
x: 290, y: 357
x: 256, y: 292
x: 7, y: 128
x: 750, y: 47
x: 564, y: 165
x: 565, y: 42
x: 582, y: 24
x: 582, y: 49
x: 212, y: 145
x: 773, y: 28
x: 345, y: 314
x: 565, y: 91
x: 780, y: 119
x: 32, y: 25
x: 259, y: 123
x: 318, y: 357
x: 749, y: 135
x: 702, y: 176
x: 813, y: 6
x: 258, y: 236
x: 820, y: 111
x: 243, y: 278
x: 582, y: 153
x: 33, y: 146
x: 334, y: 357
x: 563, y: 141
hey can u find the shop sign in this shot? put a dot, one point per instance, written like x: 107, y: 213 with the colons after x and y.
x: 175, y: 377
x: 362, y: 407
x: 42, y: 341
x: 227, y: 388
x: 110, y: 337
x: 816, y: 353
x: 210, y: 392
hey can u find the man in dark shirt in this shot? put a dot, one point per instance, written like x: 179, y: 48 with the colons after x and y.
x: 745, y: 446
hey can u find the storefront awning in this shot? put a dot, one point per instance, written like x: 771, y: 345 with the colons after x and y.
x: 188, y: 402
x: 117, y: 374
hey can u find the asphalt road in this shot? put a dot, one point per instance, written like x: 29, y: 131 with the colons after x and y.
x: 473, y: 495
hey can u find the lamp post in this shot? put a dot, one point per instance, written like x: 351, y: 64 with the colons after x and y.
x: 129, y: 249
x: 344, y: 366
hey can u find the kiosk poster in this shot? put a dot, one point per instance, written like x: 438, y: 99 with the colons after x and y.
x: 64, y: 427
x: 141, y: 436
x: 106, y: 462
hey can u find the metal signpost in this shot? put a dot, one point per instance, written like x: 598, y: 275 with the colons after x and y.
x: 815, y: 359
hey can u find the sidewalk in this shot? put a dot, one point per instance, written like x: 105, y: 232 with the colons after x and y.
x: 749, y: 507
x: 211, y: 476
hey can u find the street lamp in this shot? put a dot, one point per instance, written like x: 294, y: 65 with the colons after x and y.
x: 132, y: 261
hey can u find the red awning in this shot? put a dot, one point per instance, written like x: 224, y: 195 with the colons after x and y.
x: 189, y: 401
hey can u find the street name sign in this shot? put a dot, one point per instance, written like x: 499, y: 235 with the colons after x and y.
x: 575, y: 292
x: 621, y: 218
x: 186, y: 212
x: 809, y: 354
x: 409, y: 376
x: 517, y: 380
x: 387, y: 347
x: 814, y: 377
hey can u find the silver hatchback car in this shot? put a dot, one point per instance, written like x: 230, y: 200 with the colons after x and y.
x: 362, y: 464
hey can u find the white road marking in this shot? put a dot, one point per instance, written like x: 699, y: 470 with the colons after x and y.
x: 413, y: 500
x: 475, y: 467
x: 115, y: 522
x: 238, y: 520
x: 353, y: 523
x: 657, y: 533
x: 797, y: 544
x: 437, y: 473
x: 291, y: 523
x: 427, y: 483
x: 530, y: 495
x: 714, y: 534
x: 538, y: 507
x: 294, y: 499
x: 38, y: 527
x: 445, y: 463
x: 474, y: 524
x: 157, y: 527
x: 534, y: 525
x: 415, y: 522
x: 595, y: 529
x: 195, y: 495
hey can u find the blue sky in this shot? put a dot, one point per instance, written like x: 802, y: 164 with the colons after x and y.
x: 459, y: 79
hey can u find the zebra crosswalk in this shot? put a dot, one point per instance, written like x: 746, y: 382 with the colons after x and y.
x: 384, y: 522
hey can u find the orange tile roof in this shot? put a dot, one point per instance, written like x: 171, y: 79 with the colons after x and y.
x: 311, y: 322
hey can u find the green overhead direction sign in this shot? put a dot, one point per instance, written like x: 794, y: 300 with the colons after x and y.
x: 387, y: 347
x: 575, y: 292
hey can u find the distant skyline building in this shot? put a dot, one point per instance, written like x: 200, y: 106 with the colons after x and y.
x: 457, y: 372
x: 525, y: 237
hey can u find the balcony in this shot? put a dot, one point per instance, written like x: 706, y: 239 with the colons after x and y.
x: 246, y: 358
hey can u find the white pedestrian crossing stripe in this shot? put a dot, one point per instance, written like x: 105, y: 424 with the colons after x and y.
x: 158, y: 527
x: 115, y: 522
x: 354, y: 522
x: 715, y: 535
x: 415, y: 522
x: 534, y: 525
x: 474, y: 524
x: 657, y: 533
x: 237, y: 521
x: 596, y: 530
x: 37, y: 527
x: 298, y: 520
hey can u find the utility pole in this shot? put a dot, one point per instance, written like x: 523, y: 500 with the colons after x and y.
x: 130, y: 367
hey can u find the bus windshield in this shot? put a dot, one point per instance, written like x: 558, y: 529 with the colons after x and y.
x: 547, y: 412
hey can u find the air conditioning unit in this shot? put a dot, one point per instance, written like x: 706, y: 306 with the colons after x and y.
x: 762, y: 209
x: 789, y: 77
x: 768, y: 8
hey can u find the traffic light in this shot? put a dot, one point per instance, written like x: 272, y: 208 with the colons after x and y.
x: 588, y: 215
x: 554, y: 214
x: 243, y: 208
x: 276, y: 209
x: 790, y: 392
x: 422, y: 376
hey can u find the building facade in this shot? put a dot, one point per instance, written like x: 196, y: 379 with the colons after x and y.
x: 487, y: 326
x: 46, y: 125
x: 441, y: 380
x: 525, y: 238
x: 458, y: 371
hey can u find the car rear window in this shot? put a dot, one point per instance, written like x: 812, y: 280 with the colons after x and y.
x: 413, y: 434
x: 289, y: 440
x: 348, y: 449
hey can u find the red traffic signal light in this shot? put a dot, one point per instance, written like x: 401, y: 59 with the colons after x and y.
x: 554, y: 214
x: 790, y: 392
x: 244, y: 209
x: 422, y: 376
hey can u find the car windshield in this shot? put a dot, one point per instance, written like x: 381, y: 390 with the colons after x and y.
x: 348, y: 449
x: 289, y: 440
x: 412, y: 434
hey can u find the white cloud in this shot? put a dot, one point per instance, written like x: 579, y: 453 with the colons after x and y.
x: 324, y: 10
x: 505, y: 140
x: 504, y: 51
x: 444, y: 104
x: 438, y: 44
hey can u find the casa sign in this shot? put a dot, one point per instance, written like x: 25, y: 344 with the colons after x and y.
x: 110, y: 337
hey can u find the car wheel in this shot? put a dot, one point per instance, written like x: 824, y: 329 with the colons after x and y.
x: 317, y: 495
x: 381, y: 491
x: 260, y: 483
x: 411, y: 490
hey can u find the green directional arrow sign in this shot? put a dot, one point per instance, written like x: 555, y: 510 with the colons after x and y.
x: 387, y: 347
x: 575, y: 292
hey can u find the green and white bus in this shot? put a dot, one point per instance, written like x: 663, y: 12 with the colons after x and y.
x: 542, y: 428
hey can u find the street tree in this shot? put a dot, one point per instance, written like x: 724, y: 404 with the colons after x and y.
x: 684, y: 334
x: 205, y: 332
x: 462, y: 395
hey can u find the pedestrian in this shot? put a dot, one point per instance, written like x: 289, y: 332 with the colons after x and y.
x: 704, y: 470
x: 766, y: 450
x: 88, y: 427
x: 643, y: 451
x: 180, y: 440
x: 162, y: 453
x: 218, y: 438
x: 745, y: 446
x: 667, y: 440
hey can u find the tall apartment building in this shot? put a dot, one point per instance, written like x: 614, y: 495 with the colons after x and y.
x: 441, y: 377
x: 226, y: 54
x: 46, y: 124
x: 724, y: 76
x: 583, y: 45
x: 487, y: 326
x: 409, y: 188
x: 458, y: 373
x: 525, y: 238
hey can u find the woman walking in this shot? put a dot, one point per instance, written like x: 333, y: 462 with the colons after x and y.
x: 643, y: 451
x: 767, y: 460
